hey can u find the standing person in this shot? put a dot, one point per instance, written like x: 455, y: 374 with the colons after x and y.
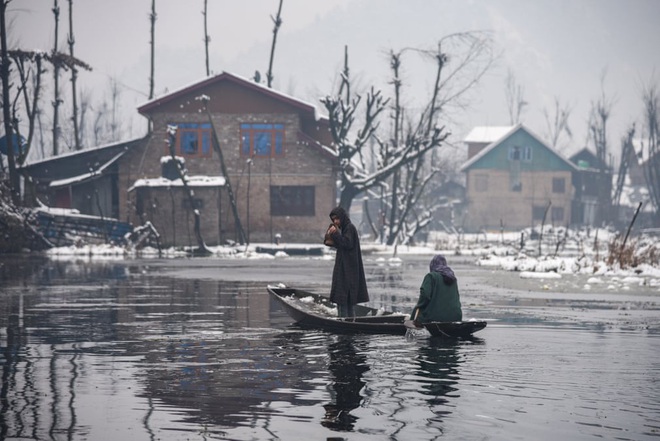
x: 349, y: 285
x: 439, y: 300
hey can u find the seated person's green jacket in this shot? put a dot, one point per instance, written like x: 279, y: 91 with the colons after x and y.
x: 438, y: 302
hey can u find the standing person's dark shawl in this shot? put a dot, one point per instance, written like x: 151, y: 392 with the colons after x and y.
x: 349, y: 285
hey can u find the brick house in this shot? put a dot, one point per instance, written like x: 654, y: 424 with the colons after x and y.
x: 511, y: 177
x: 277, y: 156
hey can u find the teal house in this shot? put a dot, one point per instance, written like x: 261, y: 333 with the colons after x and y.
x: 514, y: 180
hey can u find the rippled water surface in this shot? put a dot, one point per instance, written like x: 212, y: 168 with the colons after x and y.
x: 195, y: 349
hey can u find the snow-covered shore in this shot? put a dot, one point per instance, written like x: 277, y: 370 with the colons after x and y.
x: 561, y: 252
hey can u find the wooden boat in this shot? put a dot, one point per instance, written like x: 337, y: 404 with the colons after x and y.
x: 312, y: 310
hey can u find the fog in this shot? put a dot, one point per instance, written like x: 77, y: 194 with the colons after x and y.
x: 565, y: 50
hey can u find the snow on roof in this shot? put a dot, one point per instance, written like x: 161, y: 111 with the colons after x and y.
x: 68, y: 212
x: 487, y: 133
x: 85, y: 176
x: 192, y: 181
x: 498, y: 141
x: 78, y: 152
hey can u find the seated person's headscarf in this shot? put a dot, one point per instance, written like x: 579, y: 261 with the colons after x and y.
x: 439, y: 265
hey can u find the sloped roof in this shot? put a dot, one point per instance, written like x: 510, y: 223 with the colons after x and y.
x: 189, y: 89
x: 77, y: 163
x: 586, y: 152
x: 88, y: 176
x: 506, y: 135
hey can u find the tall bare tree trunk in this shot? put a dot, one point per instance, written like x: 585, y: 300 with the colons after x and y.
x: 395, y: 64
x: 515, y: 98
x: 278, y: 22
x: 114, y: 122
x: 202, y: 249
x: 223, y: 167
x: 56, y: 83
x: 152, y: 18
x: 207, y: 38
x: 600, y: 114
x: 74, y: 74
x: 6, y: 114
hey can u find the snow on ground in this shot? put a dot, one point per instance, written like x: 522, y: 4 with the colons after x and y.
x: 561, y: 253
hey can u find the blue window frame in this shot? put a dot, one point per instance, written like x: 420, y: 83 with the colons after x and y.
x: 262, y: 140
x: 193, y: 139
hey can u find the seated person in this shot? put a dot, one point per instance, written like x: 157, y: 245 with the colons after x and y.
x: 439, y: 300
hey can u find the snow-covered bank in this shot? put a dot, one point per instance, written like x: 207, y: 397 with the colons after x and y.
x: 560, y: 253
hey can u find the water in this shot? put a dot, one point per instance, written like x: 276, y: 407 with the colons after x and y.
x: 194, y: 349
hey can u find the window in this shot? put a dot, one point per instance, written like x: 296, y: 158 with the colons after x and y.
x: 290, y: 200
x: 262, y: 140
x: 520, y: 154
x: 557, y: 214
x: 481, y: 183
x: 538, y: 211
x: 558, y: 185
x: 193, y: 140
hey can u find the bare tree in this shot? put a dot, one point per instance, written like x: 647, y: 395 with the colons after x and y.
x: 409, y: 182
x: 74, y: 74
x: 557, y: 122
x: 115, y: 122
x: 515, y: 98
x: 14, y: 181
x: 98, y: 124
x: 152, y: 44
x: 599, y: 115
x: 278, y: 22
x: 223, y: 168
x: 627, y: 150
x: 401, y: 170
x: 30, y: 70
x: 56, y: 83
x: 207, y: 38
x: 85, y: 106
x: 651, y: 99
x: 201, y: 249
x: 107, y: 124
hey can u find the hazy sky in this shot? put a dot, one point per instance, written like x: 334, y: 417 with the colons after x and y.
x: 555, y: 48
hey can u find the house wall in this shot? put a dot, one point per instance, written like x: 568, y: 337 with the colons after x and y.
x: 514, y: 209
x: 167, y: 208
x: 475, y: 147
x: 512, y: 190
x: 302, y: 164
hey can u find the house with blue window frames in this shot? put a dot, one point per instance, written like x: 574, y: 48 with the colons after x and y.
x: 514, y: 180
x: 278, y: 163
x: 277, y: 152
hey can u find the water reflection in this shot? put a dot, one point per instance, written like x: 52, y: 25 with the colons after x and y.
x: 125, y: 351
x: 347, y: 365
x: 439, y: 361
